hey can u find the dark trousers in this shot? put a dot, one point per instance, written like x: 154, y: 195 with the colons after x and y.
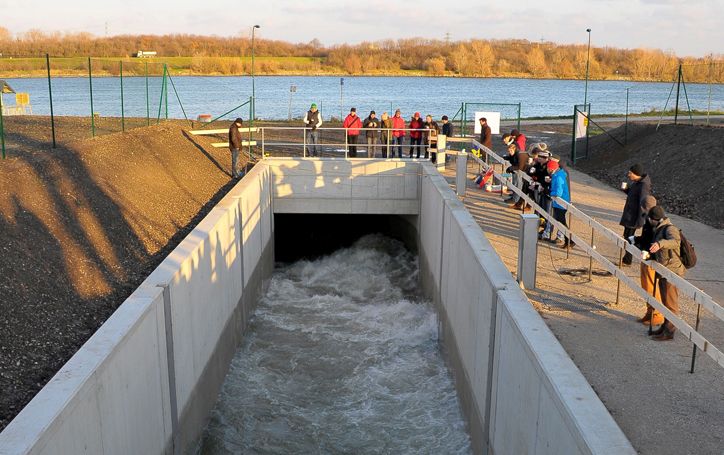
x: 415, y: 145
x: 628, y: 232
x: 352, y: 142
x: 560, y: 216
x: 397, y: 141
x: 670, y: 299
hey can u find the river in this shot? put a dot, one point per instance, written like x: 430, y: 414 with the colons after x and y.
x: 342, y: 356
x: 434, y: 95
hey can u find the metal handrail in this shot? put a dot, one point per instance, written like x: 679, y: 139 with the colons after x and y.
x: 699, y: 296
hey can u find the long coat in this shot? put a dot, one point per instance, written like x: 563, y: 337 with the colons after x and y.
x: 634, y: 213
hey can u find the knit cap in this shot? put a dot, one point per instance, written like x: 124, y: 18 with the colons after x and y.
x: 637, y: 169
x: 552, y: 166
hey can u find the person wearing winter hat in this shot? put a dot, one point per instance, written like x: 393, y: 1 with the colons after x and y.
x: 371, y: 126
x: 665, y: 249
x: 559, y: 189
x: 633, y: 215
x: 415, y: 135
x: 643, y: 242
x: 312, y: 120
x: 352, y: 124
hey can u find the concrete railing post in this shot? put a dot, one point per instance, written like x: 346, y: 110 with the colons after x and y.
x: 527, y: 250
x: 462, y: 173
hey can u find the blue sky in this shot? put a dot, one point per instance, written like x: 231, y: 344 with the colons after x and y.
x: 686, y: 27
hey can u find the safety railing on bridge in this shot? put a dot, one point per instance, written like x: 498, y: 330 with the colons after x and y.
x: 279, y: 141
x: 700, y: 298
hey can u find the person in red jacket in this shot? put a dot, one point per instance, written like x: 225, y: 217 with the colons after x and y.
x: 352, y: 124
x: 398, y: 133
x: 519, y: 139
x: 415, y: 136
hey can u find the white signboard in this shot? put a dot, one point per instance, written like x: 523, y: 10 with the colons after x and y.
x: 493, y: 121
x: 581, y: 124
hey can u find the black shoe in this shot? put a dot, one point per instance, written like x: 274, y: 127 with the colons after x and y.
x: 666, y: 335
x: 627, y: 259
x: 659, y: 331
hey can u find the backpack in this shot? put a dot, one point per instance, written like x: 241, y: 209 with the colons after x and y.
x: 687, y: 253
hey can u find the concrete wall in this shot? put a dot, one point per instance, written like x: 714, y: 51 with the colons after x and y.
x: 332, y: 185
x: 147, y: 379
x: 518, y: 388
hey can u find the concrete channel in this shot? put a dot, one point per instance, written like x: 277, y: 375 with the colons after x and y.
x: 146, y: 381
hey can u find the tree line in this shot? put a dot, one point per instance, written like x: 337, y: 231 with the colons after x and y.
x: 469, y: 58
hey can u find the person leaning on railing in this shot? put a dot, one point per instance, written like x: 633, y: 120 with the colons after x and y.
x: 665, y: 250
x: 648, y: 275
x: 429, y: 138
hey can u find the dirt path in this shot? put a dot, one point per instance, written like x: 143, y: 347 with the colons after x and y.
x: 645, y: 385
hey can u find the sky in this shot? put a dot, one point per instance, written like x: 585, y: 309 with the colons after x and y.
x: 684, y: 27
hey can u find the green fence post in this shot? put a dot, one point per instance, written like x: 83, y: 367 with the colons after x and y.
x: 160, y: 101
x: 148, y: 106
x: 165, y: 88
x: 251, y: 136
x: 123, y: 115
x: 50, y: 97
x: 2, y: 127
x: 518, y: 116
x: 678, y: 85
x: 90, y: 82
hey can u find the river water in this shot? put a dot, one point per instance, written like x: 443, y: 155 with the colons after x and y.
x: 342, y: 357
x: 435, y: 95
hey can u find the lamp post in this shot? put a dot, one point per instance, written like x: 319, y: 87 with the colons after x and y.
x: 588, y: 61
x: 253, y: 91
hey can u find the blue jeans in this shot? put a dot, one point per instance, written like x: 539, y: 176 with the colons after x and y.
x: 234, y: 163
x: 312, y: 140
x: 397, y: 145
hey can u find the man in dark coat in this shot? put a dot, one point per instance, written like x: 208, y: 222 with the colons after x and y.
x: 486, y: 137
x: 634, y: 214
x: 447, y: 127
x: 235, y: 146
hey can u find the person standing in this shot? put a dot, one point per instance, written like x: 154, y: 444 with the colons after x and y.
x: 371, y: 126
x: 430, y: 135
x: 559, y: 189
x: 352, y: 124
x: 486, y: 137
x: 648, y: 281
x: 415, y: 134
x: 665, y: 250
x: 312, y: 120
x: 398, y: 132
x: 386, y: 135
x: 234, y: 146
x: 447, y: 127
x: 634, y: 215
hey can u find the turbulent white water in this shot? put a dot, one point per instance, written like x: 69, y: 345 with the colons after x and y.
x: 342, y: 357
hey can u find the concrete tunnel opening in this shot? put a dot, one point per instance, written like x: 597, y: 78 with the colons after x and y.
x: 310, y: 236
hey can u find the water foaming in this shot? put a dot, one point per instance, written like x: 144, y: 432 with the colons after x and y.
x: 342, y: 357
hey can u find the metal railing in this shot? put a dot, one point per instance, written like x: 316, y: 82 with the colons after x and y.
x: 284, y: 138
x: 700, y: 298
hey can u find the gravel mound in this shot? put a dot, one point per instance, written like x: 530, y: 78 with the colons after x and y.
x: 686, y: 165
x: 82, y: 225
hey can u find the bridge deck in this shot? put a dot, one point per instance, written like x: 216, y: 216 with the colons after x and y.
x: 645, y: 385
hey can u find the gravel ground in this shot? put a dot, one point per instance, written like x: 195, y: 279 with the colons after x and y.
x: 82, y: 226
x: 684, y: 162
x: 645, y: 385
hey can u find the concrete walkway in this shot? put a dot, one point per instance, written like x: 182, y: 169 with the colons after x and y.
x: 646, y: 385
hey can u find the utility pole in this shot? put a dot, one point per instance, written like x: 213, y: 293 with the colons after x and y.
x: 588, y: 61
x: 447, y: 38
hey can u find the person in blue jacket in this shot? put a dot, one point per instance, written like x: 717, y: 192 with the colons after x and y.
x: 559, y: 188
